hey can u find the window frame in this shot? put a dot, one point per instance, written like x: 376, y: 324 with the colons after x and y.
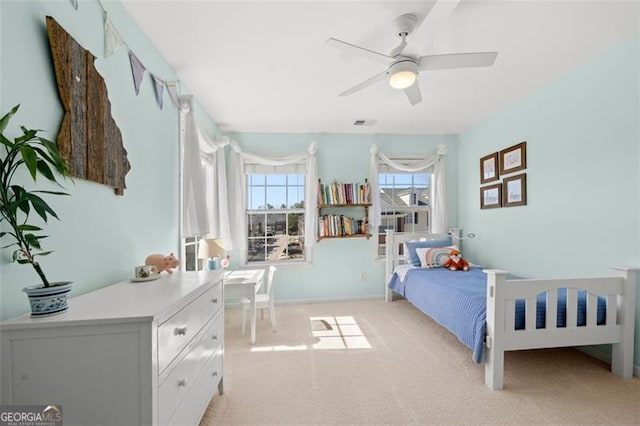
x: 285, y: 170
x: 383, y: 168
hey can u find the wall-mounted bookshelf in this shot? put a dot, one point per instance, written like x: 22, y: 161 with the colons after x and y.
x: 335, y: 224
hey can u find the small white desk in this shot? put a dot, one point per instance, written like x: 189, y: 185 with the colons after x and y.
x: 244, y: 283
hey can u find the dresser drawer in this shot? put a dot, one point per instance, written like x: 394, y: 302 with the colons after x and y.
x: 181, y: 380
x: 191, y: 409
x: 175, y: 333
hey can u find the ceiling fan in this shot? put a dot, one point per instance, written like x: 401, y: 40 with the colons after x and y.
x: 403, y: 70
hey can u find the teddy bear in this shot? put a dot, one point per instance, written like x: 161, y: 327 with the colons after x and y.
x: 162, y: 262
x: 455, y: 262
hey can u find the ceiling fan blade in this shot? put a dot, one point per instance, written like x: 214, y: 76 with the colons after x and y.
x: 367, y: 53
x: 456, y: 60
x: 428, y: 28
x: 367, y: 82
x: 413, y: 93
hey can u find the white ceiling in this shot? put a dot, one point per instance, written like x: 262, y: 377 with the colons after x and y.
x: 263, y: 66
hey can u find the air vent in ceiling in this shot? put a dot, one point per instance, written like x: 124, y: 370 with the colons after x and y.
x: 364, y: 122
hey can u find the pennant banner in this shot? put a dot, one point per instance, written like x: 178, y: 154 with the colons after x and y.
x: 159, y: 86
x: 113, y: 41
x: 172, y: 88
x: 137, y: 69
x: 112, y: 38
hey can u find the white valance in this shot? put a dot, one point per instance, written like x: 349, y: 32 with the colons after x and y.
x: 439, y: 209
x: 242, y: 162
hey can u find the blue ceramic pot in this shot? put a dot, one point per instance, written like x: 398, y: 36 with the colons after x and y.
x: 48, y: 300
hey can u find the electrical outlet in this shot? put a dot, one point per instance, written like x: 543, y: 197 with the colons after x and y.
x: 363, y: 276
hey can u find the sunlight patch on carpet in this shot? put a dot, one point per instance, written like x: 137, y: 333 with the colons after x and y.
x: 338, y: 332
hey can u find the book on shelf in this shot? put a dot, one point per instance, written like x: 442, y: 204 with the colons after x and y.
x: 344, y: 193
x: 338, y: 225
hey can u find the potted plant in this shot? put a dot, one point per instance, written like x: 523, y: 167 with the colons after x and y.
x: 39, y: 157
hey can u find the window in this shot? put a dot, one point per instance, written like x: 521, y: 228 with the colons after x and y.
x: 275, y: 217
x: 405, y: 199
x: 190, y: 255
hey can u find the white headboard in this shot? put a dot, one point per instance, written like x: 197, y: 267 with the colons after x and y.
x: 393, y: 248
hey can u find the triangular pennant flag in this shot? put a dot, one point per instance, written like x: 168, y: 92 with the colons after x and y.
x: 112, y: 38
x: 172, y: 88
x: 137, y: 69
x: 75, y: 4
x: 159, y: 86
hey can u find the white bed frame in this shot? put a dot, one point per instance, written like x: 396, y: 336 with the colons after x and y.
x: 619, y: 291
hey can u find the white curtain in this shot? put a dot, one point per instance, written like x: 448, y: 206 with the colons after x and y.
x: 194, y: 207
x: 212, y: 154
x: 238, y: 198
x: 439, y: 209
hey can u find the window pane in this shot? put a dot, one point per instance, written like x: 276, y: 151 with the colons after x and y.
x: 276, y: 224
x: 276, y: 197
x: 295, y: 197
x: 190, y: 253
x: 255, y: 251
x: 256, y: 198
x: 297, y: 179
x: 256, y: 225
x: 296, y: 223
x: 276, y: 179
x: 255, y: 179
x: 403, y: 179
x: 421, y: 180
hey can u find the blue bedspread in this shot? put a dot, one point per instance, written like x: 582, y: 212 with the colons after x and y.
x: 458, y: 302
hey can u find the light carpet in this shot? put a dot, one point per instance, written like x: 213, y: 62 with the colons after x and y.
x: 397, y: 366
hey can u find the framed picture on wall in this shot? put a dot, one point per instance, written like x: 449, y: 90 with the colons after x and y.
x: 513, y: 158
x: 489, y: 168
x: 491, y: 196
x: 514, y: 191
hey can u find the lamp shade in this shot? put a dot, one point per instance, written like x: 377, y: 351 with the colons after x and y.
x: 210, y: 247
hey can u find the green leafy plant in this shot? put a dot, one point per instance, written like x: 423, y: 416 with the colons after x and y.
x: 40, y: 157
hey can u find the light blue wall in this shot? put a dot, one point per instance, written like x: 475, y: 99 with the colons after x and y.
x: 101, y: 236
x: 583, y: 139
x: 338, y: 264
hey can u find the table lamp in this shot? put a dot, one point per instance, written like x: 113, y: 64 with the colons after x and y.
x: 211, y: 249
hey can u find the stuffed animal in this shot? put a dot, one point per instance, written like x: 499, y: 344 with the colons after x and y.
x: 162, y: 262
x: 455, y: 262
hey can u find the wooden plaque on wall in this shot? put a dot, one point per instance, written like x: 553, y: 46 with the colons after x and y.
x: 89, y: 138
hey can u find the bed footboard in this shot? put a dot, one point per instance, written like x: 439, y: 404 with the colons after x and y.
x: 619, y: 292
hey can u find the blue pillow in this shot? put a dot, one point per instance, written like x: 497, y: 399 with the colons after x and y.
x: 413, y: 245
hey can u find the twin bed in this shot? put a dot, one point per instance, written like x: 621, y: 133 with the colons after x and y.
x: 491, y: 314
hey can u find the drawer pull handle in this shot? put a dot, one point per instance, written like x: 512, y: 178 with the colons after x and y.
x: 180, y: 331
x: 214, y: 300
x: 182, y: 382
x: 214, y: 337
x: 215, y: 374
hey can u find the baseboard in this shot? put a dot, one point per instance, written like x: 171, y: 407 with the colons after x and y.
x: 330, y: 299
x: 599, y: 353
x: 318, y: 300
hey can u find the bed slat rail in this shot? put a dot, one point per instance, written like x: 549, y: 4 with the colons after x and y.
x: 619, y: 293
x: 552, y: 310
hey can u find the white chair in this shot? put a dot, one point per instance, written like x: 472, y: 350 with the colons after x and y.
x: 263, y: 301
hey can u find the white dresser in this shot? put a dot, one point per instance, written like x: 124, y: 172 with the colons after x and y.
x: 130, y: 353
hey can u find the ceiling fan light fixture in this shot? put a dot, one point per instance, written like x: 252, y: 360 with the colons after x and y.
x: 402, y: 74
